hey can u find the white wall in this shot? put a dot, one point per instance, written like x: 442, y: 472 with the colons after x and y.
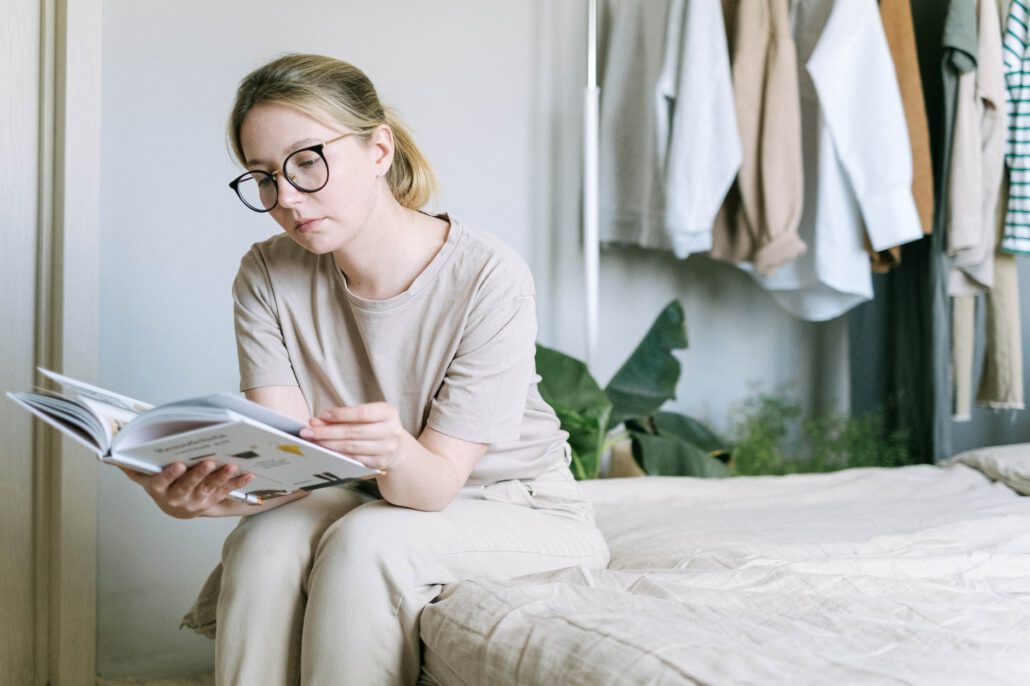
x: 492, y: 92
x: 19, y: 219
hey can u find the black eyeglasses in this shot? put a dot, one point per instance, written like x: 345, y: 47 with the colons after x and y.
x: 305, y: 169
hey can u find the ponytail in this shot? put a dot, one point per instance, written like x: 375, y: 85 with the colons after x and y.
x: 411, y: 179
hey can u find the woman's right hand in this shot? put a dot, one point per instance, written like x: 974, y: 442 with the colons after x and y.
x: 197, y: 491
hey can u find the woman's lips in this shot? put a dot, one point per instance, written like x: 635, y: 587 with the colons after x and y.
x: 306, y: 225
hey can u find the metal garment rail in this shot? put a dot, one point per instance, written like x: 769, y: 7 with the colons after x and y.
x: 591, y: 142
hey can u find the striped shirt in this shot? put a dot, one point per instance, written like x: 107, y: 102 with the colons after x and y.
x: 1016, y: 237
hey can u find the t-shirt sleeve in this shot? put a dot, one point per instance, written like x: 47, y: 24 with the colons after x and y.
x: 263, y: 358
x: 484, y: 391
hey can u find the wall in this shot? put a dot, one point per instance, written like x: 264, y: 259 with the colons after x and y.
x: 492, y: 90
x: 19, y: 177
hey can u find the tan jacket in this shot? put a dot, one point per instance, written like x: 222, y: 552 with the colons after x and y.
x: 759, y: 219
x: 1001, y: 384
x: 977, y: 161
x: 901, y: 38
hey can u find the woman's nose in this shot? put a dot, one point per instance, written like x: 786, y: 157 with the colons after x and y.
x: 288, y: 193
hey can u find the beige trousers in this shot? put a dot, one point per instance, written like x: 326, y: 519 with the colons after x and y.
x: 1001, y: 385
x: 329, y: 589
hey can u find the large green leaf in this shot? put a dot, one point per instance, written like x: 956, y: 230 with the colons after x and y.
x: 582, y: 407
x: 689, y: 430
x: 566, y: 381
x: 666, y: 456
x: 648, y: 378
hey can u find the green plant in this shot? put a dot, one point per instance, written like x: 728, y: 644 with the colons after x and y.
x: 663, y: 442
x: 771, y: 436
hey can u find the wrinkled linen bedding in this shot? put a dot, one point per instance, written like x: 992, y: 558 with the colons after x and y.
x: 917, y: 575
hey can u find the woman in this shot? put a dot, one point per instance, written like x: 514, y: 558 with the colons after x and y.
x: 405, y: 341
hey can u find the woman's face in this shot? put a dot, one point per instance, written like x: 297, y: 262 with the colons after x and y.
x: 327, y: 219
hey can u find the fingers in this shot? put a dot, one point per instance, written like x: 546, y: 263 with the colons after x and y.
x: 218, y: 484
x: 353, y: 440
x: 347, y: 432
x: 192, y: 479
x: 351, y: 448
x: 368, y: 412
x: 371, y: 433
x: 160, y: 482
x: 236, y: 483
x: 215, y: 481
x: 369, y: 422
x: 187, y: 492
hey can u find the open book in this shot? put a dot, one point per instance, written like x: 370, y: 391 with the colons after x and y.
x: 224, y: 427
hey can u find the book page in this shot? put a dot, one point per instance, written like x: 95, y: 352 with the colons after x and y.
x: 167, y: 421
x: 239, y: 405
x: 113, y: 409
x: 67, y: 415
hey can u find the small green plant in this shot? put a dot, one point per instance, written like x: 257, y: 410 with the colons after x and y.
x: 663, y: 442
x: 770, y: 436
x: 761, y: 435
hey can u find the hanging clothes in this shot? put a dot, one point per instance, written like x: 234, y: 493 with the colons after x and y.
x: 669, y: 147
x: 920, y: 313
x: 1017, y: 77
x: 974, y: 182
x: 1001, y: 384
x: 896, y: 16
x: 978, y: 157
x: 857, y: 164
x: 759, y: 219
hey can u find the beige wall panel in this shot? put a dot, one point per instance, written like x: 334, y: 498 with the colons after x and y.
x: 19, y: 117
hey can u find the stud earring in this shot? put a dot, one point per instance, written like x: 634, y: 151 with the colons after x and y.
x: 380, y: 171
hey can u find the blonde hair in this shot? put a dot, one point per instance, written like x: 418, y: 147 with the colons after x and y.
x: 335, y: 92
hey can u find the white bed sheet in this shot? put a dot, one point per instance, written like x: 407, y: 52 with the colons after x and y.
x: 917, y: 575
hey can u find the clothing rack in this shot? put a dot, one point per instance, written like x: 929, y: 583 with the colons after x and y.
x: 591, y: 143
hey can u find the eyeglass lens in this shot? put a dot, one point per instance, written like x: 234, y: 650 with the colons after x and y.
x: 306, y: 170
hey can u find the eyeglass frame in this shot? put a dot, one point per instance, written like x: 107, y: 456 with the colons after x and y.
x: 316, y: 148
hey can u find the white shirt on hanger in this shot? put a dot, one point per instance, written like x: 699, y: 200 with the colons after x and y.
x: 669, y: 146
x: 857, y: 159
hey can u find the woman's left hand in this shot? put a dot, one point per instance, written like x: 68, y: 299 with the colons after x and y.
x: 371, y: 434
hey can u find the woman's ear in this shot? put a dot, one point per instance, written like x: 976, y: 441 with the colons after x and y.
x: 382, y: 148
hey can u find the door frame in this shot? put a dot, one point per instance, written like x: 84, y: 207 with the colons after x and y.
x: 68, y: 321
x: 52, y: 239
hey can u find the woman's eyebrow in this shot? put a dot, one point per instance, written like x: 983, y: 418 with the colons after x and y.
x: 303, y: 143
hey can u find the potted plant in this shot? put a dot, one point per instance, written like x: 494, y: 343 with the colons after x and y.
x: 663, y: 443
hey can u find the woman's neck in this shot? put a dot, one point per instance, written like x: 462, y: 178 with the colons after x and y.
x: 392, y: 249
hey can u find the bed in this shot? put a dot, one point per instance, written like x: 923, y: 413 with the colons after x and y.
x: 914, y: 575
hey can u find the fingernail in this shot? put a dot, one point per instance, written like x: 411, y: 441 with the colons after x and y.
x: 306, y: 433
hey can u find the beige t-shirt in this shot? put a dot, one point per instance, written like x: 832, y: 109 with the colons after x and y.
x: 456, y: 351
